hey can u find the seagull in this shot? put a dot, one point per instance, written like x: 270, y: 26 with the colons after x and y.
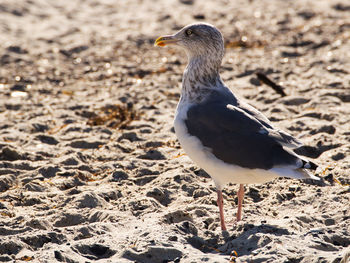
x: 228, y: 138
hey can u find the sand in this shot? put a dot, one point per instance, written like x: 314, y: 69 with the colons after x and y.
x: 90, y: 168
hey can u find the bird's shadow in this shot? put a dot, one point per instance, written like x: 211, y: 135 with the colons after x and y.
x: 253, y: 237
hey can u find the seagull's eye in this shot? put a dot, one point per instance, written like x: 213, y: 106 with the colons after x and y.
x: 189, y: 32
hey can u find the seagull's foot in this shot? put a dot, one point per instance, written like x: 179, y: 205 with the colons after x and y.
x: 223, y: 227
x: 222, y: 224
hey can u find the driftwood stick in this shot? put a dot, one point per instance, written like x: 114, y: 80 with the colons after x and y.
x: 264, y: 79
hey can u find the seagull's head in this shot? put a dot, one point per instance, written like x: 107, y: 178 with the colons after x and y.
x: 198, y: 40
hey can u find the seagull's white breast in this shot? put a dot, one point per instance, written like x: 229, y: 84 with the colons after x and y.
x: 220, y: 171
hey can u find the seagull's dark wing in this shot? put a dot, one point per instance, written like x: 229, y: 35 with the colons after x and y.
x: 236, y: 137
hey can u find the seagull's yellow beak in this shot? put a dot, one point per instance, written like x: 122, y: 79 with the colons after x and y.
x: 165, y: 40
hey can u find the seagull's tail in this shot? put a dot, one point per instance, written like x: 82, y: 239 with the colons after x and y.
x: 307, y: 168
x: 309, y: 165
x: 302, y: 169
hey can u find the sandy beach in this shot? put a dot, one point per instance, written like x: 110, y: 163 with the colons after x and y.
x: 90, y: 167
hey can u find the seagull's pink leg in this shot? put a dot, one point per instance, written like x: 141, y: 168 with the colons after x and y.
x: 221, y: 208
x: 240, y: 195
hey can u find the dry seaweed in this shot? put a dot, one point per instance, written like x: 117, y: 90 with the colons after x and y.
x: 114, y: 116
